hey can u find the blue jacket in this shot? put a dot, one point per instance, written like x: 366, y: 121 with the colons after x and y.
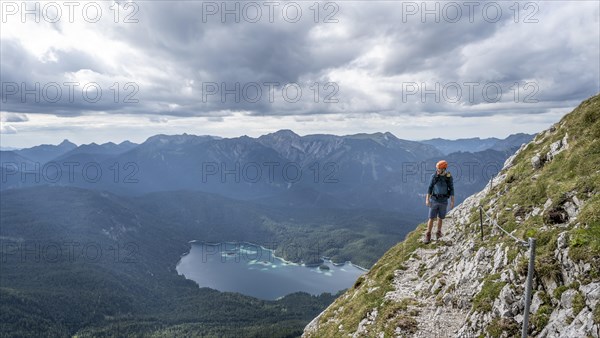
x: 441, y: 187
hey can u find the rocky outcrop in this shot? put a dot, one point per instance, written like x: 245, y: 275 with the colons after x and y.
x: 539, y: 160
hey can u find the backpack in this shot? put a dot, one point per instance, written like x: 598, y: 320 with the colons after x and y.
x: 441, y: 185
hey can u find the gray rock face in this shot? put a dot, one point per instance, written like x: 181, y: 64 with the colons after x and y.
x: 566, y: 300
x: 536, y: 302
x: 591, y: 293
x: 364, y: 324
x: 572, y: 207
x: 547, y: 204
x: 558, y: 147
x: 563, y: 240
x: 537, y: 161
x: 503, y: 304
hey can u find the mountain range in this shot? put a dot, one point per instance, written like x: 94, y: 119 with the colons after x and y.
x: 376, y: 171
x: 476, y: 144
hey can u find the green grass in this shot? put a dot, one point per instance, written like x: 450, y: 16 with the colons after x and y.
x: 489, y: 292
x: 578, y: 303
x: 559, y: 291
x: 547, y: 266
x: 541, y: 317
x: 585, y: 243
x: 545, y: 297
x: 405, y: 323
x: 597, y: 313
x: 397, y: 314
x: 500, y: 326
x: 512, y: 254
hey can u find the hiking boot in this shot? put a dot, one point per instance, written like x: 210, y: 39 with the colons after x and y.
x: 427, y: 238
x: 439, y: 234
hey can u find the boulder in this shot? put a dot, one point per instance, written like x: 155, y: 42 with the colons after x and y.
x: 537, y: 161
x: 502, y: 305
x: 557, y: 147
x: 566, y: 300
x: 563, y: 240
x: 536, y: 302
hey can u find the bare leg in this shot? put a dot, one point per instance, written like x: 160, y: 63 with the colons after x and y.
x: 439, y: 224
x: 429, y: 225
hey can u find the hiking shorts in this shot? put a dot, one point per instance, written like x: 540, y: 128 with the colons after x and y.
x: 437, y: 209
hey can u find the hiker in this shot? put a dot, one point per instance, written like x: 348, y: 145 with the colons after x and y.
x: 440, y: 189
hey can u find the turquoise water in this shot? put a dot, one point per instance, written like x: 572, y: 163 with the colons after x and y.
x: 254, y: 271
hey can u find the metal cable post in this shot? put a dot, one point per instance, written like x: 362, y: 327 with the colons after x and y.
x: 481, y: 221
x: 492, y: 183
x: 528, y: 287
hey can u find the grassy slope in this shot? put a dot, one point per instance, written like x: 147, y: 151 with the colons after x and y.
x: 574, y: 170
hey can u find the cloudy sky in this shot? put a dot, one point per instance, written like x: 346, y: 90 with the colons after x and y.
x: 99, y: 71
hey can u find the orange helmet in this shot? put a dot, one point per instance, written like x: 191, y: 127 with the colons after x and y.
x: 442, y: 164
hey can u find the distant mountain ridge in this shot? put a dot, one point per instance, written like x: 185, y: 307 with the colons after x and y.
x: 511, y: 143
x: 46, y: 152
x: 285, y: 141
x: 96, y: 152
x: 375, y: 171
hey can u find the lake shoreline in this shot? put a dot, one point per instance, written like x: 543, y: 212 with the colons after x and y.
x: 325, y: 259
x: 256, y: 266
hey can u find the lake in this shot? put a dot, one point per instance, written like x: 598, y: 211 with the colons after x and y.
x: 255, y: 271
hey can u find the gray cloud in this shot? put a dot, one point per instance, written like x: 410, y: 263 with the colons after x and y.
x: 176, y: 59
x: 7, y: 129
x: 158, y: 119
x: 13, y: 117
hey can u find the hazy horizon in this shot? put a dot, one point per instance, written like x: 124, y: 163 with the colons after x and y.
x: 3, y: 147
